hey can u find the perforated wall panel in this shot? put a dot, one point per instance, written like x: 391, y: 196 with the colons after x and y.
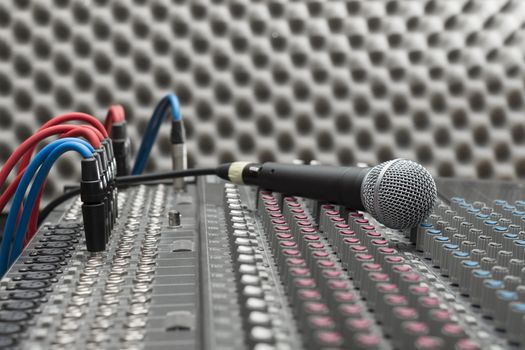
x: 440, y: 82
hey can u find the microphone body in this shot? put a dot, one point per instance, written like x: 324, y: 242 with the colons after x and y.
x: 341, y: 185
x: 399, y: 193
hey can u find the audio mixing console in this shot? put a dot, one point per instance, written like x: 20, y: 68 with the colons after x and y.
x: 222, y: 266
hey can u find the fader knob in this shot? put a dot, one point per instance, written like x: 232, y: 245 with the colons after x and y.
x: 503, y: 299
x: 455, y: 263
x: 488, y: 296
x: 327, y: 339
x: 400, y: 314
x: 451, y: 333
x: 446, y: 257
x: 429, y: 343
x: 410, y: 332
x: 476, y: 284
x: 389, y: 302
x: 366, y: 341
x: 511, y: 282
x: 515, y: 321
x: 466, y: 268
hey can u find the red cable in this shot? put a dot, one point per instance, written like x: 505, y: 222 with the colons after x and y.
x: 116, y: 114
x: 74, y: 116
x: 94, y: 133
x: 25, y: 150
x: 30, y: 144
x: 33, y: 220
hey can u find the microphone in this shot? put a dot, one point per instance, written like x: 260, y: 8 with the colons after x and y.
x: 398, y: 193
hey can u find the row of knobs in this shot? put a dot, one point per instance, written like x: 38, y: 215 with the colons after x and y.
x: 329, y: 313
x: 391, y: 286
x: 482, y: 250
x: 404, y: 307
x: 252, y: 288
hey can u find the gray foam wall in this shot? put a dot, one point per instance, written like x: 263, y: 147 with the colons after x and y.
x: 440, y: 82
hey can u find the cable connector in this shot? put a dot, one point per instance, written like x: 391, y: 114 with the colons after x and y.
x: 121, y: 148
x: 93, y: 196
x: 179, y: 152
x: 105, y: 175
x: 112, y: 173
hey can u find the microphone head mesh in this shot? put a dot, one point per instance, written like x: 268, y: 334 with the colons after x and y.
x: 399, y: 193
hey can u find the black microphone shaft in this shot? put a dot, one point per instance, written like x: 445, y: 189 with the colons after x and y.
x: 338, y: 185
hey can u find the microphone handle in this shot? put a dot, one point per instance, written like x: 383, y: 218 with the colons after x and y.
x: 338, y: 185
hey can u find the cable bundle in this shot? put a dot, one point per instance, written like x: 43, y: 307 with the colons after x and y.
x: 26, y: 222
x: 102, y: 159
x: 43, y: 162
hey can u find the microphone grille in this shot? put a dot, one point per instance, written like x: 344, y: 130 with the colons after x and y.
x: 399, y: 193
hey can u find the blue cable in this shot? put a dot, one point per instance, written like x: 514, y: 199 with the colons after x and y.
x: 35, y: 188
x: 175, y: 106
x: 149, y: 138
x: 83, y: 147
x: 152, y: 129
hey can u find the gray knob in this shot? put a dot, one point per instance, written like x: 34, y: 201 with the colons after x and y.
x: 421, y: 231
x: 483, y: 241
x: 450, y: 231
x: 446, y: 257
x: 487, y: 263
x: 449, y: 215
x: 503, y: 299
x: 433, y: 218
x: 505, y: 220
x: 457, y: 220
x: 457, y: 238
x: 514, y: 228
x: 477, y: 254
x: 499, y: 272
x: 493, y: 248
x: 503, y: 257
x: 511, y: 282
x: 466, y: 268
x: 429, y: 236
x: 515, y: 321
x: 508, y: 240
x: 472, y: 233
x: 498, y: 232
x: 455, y: 264
x: 467, y: 246
x: 488, y: 296
x: 486, y: 210
x: 518, y: 249
x: 435, y: 248
x: 495, y: 216
x: 476, y: 284
x: 520, y: 205
x: 441, y: 224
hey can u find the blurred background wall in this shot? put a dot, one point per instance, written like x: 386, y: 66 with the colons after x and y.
x: 440, y: 82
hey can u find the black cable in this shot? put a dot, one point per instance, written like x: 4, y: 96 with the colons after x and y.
x: 134, y: 179
x: 44, y: 213
x: 125, y: 181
